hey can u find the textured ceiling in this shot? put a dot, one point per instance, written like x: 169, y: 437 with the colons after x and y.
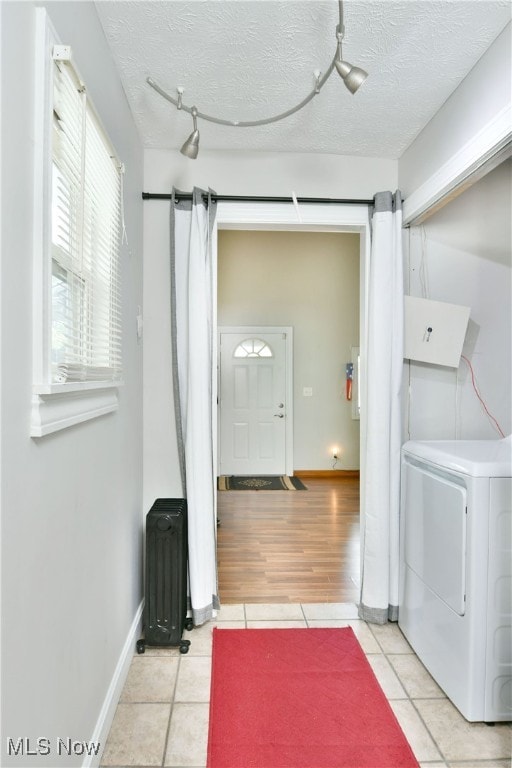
x: 246, y: 59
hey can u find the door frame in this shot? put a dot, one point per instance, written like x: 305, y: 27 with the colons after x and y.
x: 310, y: 217
x: 254, y: 330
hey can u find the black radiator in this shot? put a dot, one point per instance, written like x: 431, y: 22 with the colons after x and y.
x: 165, y: 608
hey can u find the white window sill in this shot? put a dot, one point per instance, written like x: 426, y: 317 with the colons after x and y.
x: 58, y: 406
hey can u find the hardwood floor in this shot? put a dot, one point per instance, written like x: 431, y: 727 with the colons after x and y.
x: 290, y: 546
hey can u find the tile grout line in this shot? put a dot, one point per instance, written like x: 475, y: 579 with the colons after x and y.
x: 171, y: 708
x: 427, y: 729
x: 409, y: 699
x: 438, y: 746
x: 304, y: 614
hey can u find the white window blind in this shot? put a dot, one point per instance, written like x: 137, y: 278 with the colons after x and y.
x: 85, y: 239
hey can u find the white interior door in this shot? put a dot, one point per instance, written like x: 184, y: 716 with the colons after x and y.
x: 254, y: 412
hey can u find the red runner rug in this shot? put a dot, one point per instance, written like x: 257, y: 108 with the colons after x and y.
x: 299, y: 698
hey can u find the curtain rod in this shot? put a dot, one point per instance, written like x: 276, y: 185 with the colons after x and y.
x: 253, y: 199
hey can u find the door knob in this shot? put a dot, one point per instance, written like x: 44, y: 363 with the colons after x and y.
x: 281, y: 405
x: 279, y: 415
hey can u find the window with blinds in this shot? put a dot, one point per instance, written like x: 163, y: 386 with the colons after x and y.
x: 85, y: 239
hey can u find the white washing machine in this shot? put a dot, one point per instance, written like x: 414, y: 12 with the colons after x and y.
x: 455, y: 604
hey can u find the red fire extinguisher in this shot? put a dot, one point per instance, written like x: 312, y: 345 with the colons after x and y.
x: 348, y: 383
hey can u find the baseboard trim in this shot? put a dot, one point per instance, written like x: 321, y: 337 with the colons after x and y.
x: 343, y: 474
x: 108, y: 709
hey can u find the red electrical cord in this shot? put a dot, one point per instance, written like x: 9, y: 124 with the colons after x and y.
x: 473, y: 381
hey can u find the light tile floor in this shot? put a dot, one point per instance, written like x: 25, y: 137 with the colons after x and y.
x: 162, y: 716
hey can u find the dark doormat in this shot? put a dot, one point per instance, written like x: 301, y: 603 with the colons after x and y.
x: 259, y: 483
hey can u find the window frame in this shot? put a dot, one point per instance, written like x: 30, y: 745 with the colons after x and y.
x: 55, y: 406
x: 255, y: 353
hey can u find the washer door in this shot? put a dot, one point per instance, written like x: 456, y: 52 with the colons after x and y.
x: 435, y: 510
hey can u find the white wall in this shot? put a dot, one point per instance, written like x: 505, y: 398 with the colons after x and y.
x: 466, y: 251
x: 71, y: 501
x: 309, y: 280
x: 481, y: 101
x: 270, y: 173
x: 239, y: 173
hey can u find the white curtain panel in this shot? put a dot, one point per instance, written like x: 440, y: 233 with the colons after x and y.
x: 193, y: 371
x: 381, y: 488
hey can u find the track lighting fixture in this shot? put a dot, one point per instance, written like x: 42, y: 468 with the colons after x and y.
x: 353, y: 77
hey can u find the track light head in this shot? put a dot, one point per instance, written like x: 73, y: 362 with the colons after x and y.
x: 191, y: 147
x: 353, y: 77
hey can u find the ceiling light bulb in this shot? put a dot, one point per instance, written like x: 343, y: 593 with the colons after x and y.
x: 191, y: 147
